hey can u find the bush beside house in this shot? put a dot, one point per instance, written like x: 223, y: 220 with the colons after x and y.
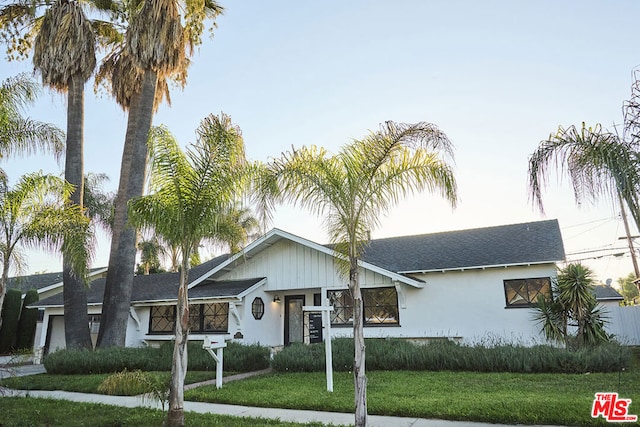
x: 27, y: 322
x: 237, y: 358
x: 10, y: 318
x: 444, y: 355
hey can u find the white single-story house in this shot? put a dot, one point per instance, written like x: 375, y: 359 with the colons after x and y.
x: 465, y: 285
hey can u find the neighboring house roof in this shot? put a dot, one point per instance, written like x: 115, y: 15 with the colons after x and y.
x: 44, y: 281
x: 606, y: 293
x: 506, y: 245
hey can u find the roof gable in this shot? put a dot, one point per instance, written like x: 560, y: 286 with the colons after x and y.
x: 275, y: 235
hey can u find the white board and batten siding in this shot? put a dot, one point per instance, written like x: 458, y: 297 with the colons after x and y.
x: 290, y: 266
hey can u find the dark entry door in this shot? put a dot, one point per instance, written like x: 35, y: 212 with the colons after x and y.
x: 293, y: 319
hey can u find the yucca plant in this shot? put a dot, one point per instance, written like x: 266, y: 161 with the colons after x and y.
x: 572, y: 304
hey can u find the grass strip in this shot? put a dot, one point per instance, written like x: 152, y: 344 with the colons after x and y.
x: 84, y: 383
x: 21, y: 412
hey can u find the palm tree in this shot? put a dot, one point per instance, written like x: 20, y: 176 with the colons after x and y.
x: 596, y: 161
x: 573, y: 304
x: 352, y: 189
x: 22, y: 135
x: 36, y: 212
x: 238, y: 227
x: 150, y: 251
x: 66, y: 70
x: 190, y: 191
x: 155, y: 49
x: 97, y: 203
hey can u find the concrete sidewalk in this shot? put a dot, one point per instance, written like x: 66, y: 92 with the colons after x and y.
x: 294, y: 415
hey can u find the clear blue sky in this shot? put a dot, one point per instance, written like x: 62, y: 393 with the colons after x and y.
x: 496, y: 76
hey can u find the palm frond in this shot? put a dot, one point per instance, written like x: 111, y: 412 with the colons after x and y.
x: 65, y: 45
x: 596, y: 162
x: 19, y: 135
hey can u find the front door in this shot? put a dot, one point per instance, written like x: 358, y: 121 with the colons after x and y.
x: 293, y: 319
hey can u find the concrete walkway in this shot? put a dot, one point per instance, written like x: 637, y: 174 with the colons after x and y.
x: 294, y: 415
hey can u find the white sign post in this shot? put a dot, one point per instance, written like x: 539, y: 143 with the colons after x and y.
x: 326, y: 336
x: 210, y: 346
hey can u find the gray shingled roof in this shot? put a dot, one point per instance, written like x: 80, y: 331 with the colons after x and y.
x: 38, y: 281
x: 161, y: 287
x: 527, y: 243
x: 606, y: 293
x: 517, y: 244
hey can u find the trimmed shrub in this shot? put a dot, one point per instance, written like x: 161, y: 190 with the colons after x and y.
x: 237, y: 357
x: 244, y: 358
x: 299, y: 357
x: 396, y: 354
x: 104, y: 361
x: 27, y: 323
x: 10, y: 315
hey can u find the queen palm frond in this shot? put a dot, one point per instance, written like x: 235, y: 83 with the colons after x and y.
x: 21, y: 135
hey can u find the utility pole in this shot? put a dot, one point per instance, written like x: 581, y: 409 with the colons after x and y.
x: 629, y: 238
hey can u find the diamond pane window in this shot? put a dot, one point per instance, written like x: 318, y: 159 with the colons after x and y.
x: 342, y: 303
x: 163, y: 319
x: 195, y: 317
x: 215, y: 317
x: 380, y: 306
x: 202, y: 318
x: 525, y: 292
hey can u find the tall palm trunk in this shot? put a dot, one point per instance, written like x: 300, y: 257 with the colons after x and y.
x: 175, y: 416
x: 119, y: 281
x: 5, y: 278
x: 76, y: 322
x: 359, y: 376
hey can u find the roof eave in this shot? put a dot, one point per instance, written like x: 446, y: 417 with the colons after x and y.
x: 480, y: 267
x: 173, y: 300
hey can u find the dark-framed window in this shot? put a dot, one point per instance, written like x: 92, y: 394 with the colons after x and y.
x: 380, y: 306
x: 525, y: 292
x: 162, y: 319
x: 257, y: 308
x: 202, y: 318
x: 215, y: 317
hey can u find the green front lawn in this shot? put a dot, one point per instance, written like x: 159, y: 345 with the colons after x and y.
x: 558, y: 399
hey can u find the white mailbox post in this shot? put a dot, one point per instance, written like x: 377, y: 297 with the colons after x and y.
x: 326, y: 336
x: 215, y: 349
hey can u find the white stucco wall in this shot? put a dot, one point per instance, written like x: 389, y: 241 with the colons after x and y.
x: 471, y: 305
x: 468, y: 305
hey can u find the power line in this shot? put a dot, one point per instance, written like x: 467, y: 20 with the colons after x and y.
x: 589, y: 222
x: 602, y: 249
